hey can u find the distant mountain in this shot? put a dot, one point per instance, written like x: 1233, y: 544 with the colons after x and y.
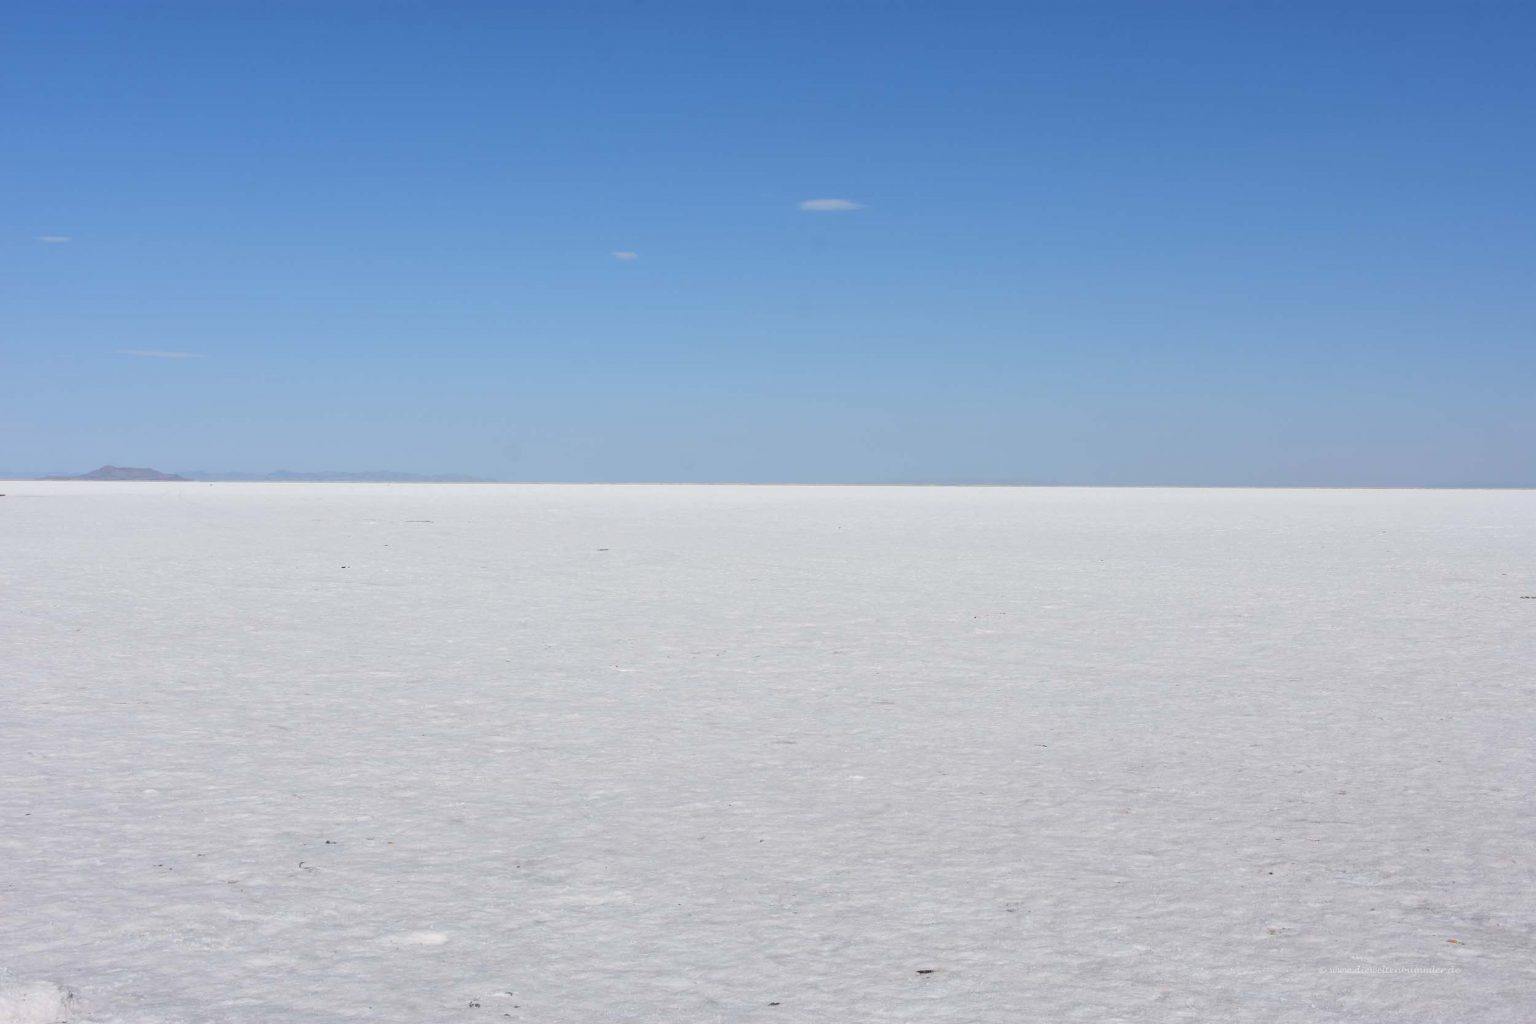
x: 120, y: 473
x: 376, y: 476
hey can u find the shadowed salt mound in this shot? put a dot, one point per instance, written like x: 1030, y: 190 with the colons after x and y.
x: 35, y: 1002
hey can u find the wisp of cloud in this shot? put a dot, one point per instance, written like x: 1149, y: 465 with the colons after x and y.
x: 830, y: 205
x: 155, y: 353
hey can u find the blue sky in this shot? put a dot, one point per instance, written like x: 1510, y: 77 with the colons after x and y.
x: 1224, y: 243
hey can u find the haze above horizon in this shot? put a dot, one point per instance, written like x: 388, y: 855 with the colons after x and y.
x: 1186, y: 243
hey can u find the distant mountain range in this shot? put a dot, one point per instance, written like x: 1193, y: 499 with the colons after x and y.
x: 120, y: 473
x: 371, y: 476
x: 280, y: 476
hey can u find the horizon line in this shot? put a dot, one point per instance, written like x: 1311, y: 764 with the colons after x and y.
x: 5, y: 478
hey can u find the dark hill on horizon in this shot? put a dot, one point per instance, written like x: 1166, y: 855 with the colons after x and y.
x: 121, y: 473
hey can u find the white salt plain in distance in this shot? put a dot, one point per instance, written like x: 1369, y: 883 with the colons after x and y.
x: 324, y: 753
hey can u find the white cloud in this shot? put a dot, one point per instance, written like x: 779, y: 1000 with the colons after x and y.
x: 156, y: 353
x: 53, y: 239
x: 830, y: 205
x: 624, y: 256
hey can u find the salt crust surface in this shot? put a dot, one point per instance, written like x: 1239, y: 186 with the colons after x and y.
x: 325, y: 753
